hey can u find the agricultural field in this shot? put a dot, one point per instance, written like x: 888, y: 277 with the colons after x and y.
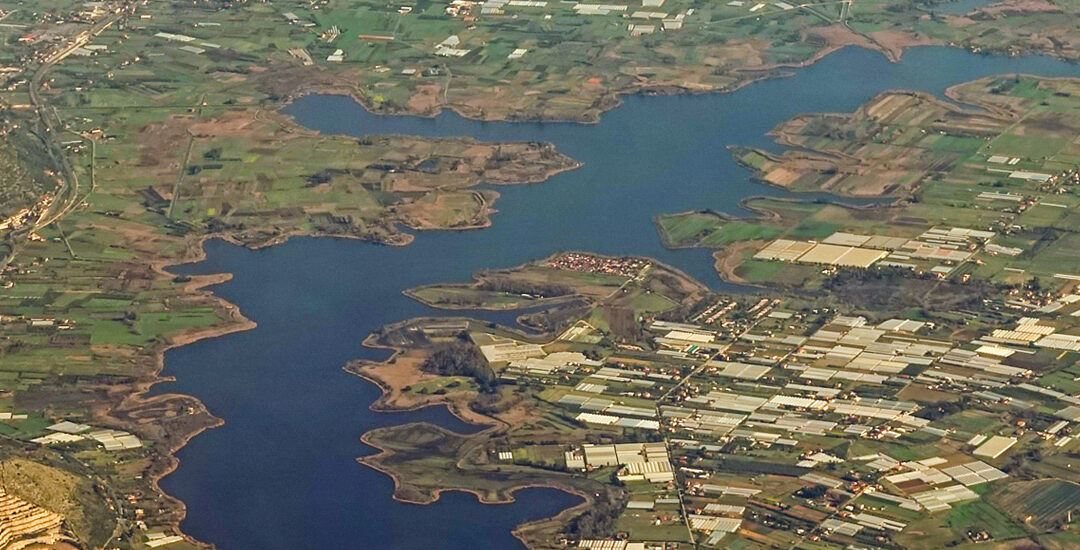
x: 782, y: 421
x: 165, y: 153
x: 1042, y: 504
x: 132, y: 132
x: 87, y: 310
x: 223, y: 170
x: 546, y: 60
x: 978, y: 191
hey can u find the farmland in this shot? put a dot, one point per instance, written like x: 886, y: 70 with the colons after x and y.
x: 735, y: 389
x: 1041, y: 503
x: 841, y: 402
x: 920, y: 406
x: 105, y: 328
x: 156, y: 169
x: 574, y: 63
x: 942, y: 165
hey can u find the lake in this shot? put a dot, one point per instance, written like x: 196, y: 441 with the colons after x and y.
x: 281, y: 473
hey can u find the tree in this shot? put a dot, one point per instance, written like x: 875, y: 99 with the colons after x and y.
x: 816, y: 491
x: 458, y: 358
x: 599, y: 520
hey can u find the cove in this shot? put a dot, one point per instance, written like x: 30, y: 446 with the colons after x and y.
x: 281, y: 473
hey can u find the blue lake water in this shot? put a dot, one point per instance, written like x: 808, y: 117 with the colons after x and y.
x: 961, y: 7
x: 281, y: 473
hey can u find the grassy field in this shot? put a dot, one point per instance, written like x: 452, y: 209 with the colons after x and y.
x: 981, y: 515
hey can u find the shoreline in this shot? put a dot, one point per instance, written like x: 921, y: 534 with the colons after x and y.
x: 952, y: 101
x: 453, y: 402
x: 437, y: 492
x: 759, y: 214
x: 517, y: 532
x: 382, y: 405
x: 238, y: 322
x: 493, y: 425
x: 487, y: 203
x: 589, y: 117
x: 537, y: 304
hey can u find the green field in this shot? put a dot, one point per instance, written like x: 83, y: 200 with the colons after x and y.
x: 1041, y: 503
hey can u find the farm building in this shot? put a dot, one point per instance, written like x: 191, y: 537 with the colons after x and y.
x: 995, y: 446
